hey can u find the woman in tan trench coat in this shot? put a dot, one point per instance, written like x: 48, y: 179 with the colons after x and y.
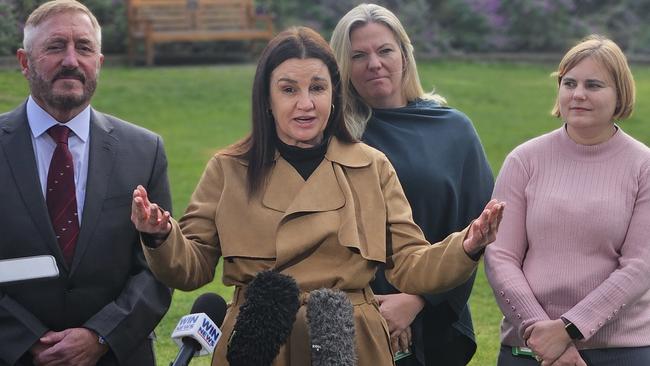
x: 301, y: 196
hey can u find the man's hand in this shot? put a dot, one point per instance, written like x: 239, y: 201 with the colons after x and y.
x: 39, y: 347
x: 74, y: 346
x: 548, y: 339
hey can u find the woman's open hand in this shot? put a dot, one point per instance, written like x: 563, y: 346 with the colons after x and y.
x: 148, y: 217
x: 483, y: 230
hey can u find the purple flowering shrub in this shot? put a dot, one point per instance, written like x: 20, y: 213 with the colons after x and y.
x: 456, y: 26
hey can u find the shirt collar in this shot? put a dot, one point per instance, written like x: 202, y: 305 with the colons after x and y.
x: 40, y: 121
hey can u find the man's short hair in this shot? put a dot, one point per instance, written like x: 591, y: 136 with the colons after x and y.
x: 50, y: 8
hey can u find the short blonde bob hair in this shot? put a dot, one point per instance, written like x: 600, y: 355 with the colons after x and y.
x: 609, y: 55
x: 355, y: 110
x: 50, y: 8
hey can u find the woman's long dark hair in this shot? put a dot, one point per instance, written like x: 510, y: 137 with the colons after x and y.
x: 259, y: 147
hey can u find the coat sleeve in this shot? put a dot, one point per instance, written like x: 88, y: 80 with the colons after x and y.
x: 20, y: 330
x: 412, y: 265
x: 128, y: 320
x: 188, y: 258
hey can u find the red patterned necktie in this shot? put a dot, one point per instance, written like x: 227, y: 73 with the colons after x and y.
x: 61, y: 195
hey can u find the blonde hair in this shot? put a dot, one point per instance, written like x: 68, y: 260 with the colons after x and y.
x: 355, y: 110
x: 50, y: 8
x: 609, y: 55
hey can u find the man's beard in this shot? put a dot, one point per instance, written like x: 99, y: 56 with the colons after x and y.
x: 43, y: 89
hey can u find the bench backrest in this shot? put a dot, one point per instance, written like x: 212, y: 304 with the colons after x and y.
x: 170, y: 15
x: 224, y: 14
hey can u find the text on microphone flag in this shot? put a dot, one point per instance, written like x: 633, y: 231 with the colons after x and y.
x: 209, y: 332
x: 201, y: 328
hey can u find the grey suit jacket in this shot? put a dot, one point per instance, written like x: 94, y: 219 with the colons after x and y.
x: 108, y: 287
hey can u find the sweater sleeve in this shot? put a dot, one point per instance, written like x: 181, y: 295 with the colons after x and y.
x: 504, y: 257
x: 630, y: 280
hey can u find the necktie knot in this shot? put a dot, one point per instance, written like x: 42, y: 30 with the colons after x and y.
x: 59, y: 133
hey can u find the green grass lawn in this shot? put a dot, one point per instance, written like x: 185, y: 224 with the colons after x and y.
x: 198, y: 110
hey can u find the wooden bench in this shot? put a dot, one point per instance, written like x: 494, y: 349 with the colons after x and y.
x: 165, y: 21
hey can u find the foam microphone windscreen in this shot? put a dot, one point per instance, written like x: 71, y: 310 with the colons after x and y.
x: 330, y: 317
x: 213, y: 305
x: 265, y: 319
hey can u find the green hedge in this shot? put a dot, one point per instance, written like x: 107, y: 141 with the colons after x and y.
x: 110, y: 13
x: 437, y: 27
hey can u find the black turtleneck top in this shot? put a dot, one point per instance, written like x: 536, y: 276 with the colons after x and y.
x: 304, y: 160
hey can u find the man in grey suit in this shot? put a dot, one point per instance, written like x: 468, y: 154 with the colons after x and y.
x: 67, y: 174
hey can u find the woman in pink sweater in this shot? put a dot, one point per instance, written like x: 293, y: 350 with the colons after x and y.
x: 570, y: 268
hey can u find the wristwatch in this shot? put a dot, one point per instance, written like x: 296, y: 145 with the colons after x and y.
x: 572, y: 330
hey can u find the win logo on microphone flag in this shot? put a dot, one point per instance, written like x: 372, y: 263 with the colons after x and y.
x: 199, y: 327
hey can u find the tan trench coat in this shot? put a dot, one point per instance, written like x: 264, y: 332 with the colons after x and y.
x: 329, y: 231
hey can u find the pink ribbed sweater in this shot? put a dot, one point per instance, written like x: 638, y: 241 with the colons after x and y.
x: 575, y: 239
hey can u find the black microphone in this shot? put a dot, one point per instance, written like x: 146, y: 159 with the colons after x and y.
x: 265, y: 319
x: 198, y: 332
x: 330, y: 318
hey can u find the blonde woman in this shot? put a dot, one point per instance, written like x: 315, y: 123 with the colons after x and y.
x: 439, y: 161
x: 301, y: 196
x: 571, y: 264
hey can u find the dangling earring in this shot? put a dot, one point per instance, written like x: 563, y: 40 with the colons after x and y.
x: 332, y: 108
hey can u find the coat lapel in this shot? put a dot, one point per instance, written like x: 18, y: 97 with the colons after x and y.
x: 16, y: 143
x: 289, y: 193
x: 310, y: 207
x: 101, y: 160
x: 283, y: 184
x: 309, y: 215
x: 321, y: 192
